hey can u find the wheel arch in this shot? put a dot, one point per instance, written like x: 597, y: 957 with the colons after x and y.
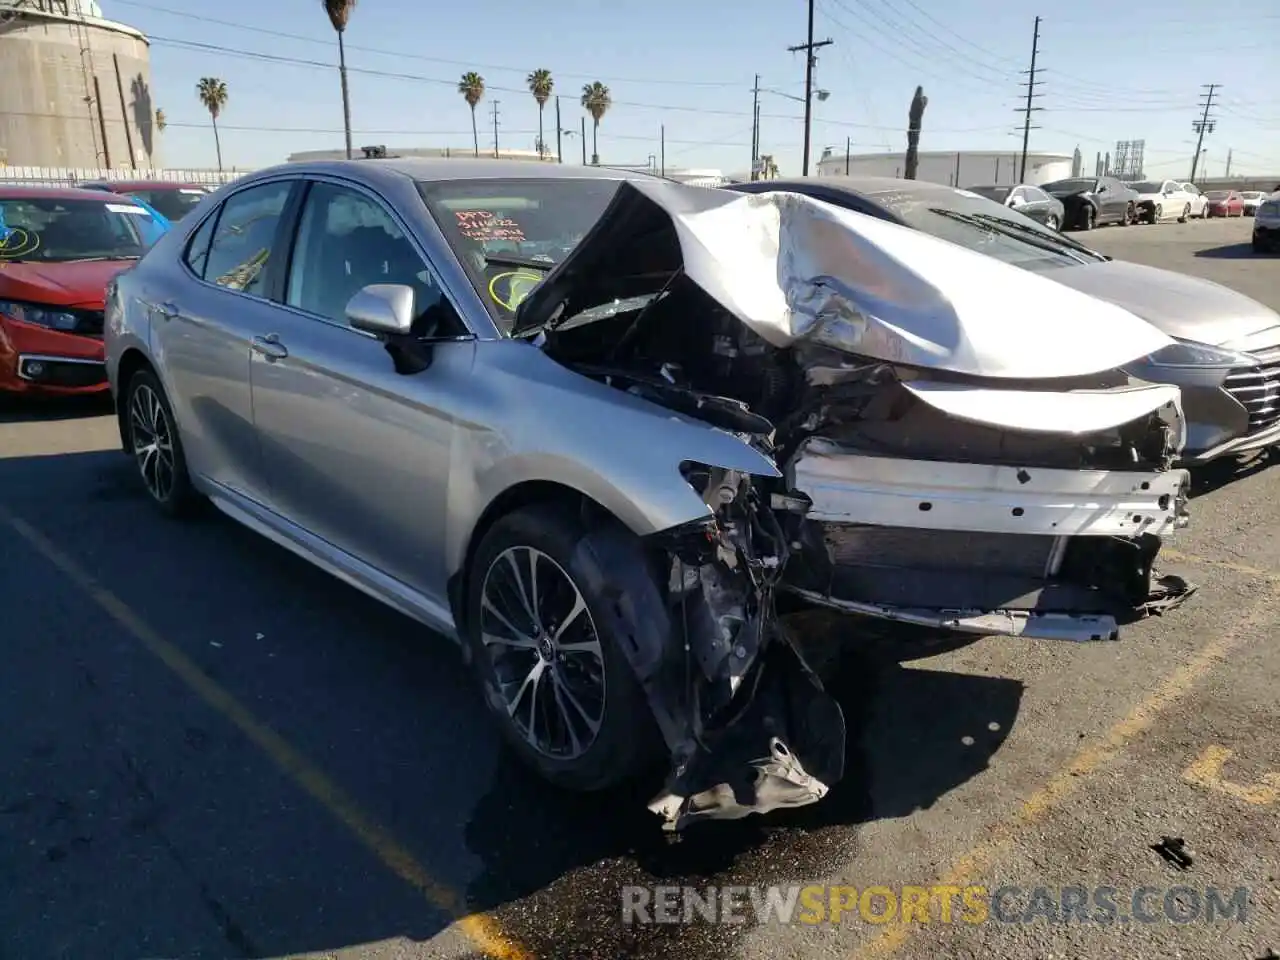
x: 526, y: 493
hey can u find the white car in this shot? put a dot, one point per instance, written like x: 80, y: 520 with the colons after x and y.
x: 1252, y: 200
x: 1161, y: 200
x: 1199, y: 202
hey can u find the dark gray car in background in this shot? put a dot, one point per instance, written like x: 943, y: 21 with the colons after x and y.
x: 1094, y: 201
x: 1227, y: 361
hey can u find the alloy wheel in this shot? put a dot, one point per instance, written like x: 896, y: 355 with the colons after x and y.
x: 152, y: 438
x: 545, y: 651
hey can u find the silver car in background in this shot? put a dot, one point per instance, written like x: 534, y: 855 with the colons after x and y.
x: 593, y: 425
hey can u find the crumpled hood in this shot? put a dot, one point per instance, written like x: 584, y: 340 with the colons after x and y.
x: 59, y: 284
x: 1182, y: 306
x: 793, y: 269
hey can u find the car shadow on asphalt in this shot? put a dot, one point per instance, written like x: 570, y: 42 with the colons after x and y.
x: 1230, y: 251
x: 395, y: 722
x: 18, y: 409
x: 1217, y: 474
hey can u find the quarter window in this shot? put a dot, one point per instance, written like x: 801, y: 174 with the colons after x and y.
x: 244, y: 237
x: 347, y: 241
x: 197, y: 254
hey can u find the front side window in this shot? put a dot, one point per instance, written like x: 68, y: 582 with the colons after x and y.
x: 244, y: 237
x: 347, y: 241
x: 56, y: 230
x: 490, y: 223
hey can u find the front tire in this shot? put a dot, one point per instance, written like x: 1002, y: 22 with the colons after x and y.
x: 542, y: 639
x: 156, y: 447
x: 1088, y: 218
x: 1157, y: 213
x: 1186, y: 214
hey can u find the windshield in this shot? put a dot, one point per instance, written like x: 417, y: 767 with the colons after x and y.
x: 1145, y: 186
x: 999, y: 194
x: 509, y: 233
x: 985, y: 226
x: 174, y: 204
x: 1074, y: 185
x: 54, y: 230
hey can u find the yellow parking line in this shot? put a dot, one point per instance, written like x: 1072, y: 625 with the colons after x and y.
x: 477, y: 927
x: 968, y: 869
x: 1179, y: 556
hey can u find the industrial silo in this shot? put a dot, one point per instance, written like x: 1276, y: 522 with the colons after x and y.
x: 75, y: 88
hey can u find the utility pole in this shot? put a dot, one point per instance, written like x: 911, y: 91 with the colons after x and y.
x: 1032, y: 83
x: 495, y: 129
x: 1227, y: 173
x: 584, y: 141
x: 848, y: 145
x: 662, y: 148
x: 755, y: 128
x: 1204, y: 124
x: 809, y: 60
x: 559, y: 131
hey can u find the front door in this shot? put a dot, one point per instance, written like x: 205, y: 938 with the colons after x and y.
x: 356, y: 453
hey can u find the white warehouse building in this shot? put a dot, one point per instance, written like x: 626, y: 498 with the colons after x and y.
x: 963, y: 168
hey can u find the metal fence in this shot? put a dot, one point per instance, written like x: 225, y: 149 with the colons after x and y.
x: 70, y: 176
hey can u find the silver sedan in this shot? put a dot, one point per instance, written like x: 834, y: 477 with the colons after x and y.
x: 593, y: 425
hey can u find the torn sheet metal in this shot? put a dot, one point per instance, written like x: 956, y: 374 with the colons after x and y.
x: 1071, y: 412
x: 848, y: 487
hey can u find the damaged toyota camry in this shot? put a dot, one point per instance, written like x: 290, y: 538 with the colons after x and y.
x: 601, y: 429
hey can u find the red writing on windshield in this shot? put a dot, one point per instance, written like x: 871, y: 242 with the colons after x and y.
x: 487, y: 225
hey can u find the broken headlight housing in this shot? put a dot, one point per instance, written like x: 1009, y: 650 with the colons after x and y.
x: 1192, y: 355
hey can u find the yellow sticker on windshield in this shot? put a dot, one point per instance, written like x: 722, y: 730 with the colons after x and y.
x: 16, y: 242
x: 509, y: 289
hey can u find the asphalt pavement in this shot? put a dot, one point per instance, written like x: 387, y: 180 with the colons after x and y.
x: 214, y: 750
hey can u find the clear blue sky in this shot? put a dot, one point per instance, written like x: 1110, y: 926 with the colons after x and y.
x: 1111, y: 72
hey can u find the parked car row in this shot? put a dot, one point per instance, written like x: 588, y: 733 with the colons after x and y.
x: 599, y: 428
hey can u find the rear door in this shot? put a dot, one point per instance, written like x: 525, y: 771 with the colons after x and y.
x: 203, y: 321
x: 358, y: 454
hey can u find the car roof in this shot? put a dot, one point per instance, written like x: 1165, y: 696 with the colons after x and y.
x: 865, y: 186
x: 121, y: 186
x: 49, y: 193
x: 462, y: 168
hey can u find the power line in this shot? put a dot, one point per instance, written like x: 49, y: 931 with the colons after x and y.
x: 468, y: 64
x: 1203, y: 124
x: 418, y: 78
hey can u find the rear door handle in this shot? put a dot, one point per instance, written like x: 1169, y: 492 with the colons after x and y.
x: 270, y: 347
x: 167, y: 310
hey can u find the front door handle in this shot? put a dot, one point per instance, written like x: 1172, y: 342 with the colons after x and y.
x: 270, y: 347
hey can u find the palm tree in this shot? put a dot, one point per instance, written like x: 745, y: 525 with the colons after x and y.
x: 471, y: 86
x: 213, y: 94
x: 540, y: 85
x: 339, y: 12
x: 768, y: 167
x: 161, y: 121
x: 596, y: 101
x: 915, y: 116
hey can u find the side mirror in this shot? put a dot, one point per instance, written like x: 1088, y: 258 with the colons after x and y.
x: 383, y: 309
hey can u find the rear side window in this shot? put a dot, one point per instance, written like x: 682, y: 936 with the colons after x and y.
x: 242, y: 241
x: 197, y: 254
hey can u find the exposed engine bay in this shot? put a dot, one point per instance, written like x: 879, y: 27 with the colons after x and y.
x: 924, y: 493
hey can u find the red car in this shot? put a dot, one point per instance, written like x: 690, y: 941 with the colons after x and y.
x: 172, y: 200
x: 58, y: 249
x: 1224, y: 203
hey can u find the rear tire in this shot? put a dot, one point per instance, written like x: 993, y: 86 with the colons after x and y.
x: 552, y: 668
x: 1157, y: 213
x: 156, y: 447
x: 1186, y: 214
